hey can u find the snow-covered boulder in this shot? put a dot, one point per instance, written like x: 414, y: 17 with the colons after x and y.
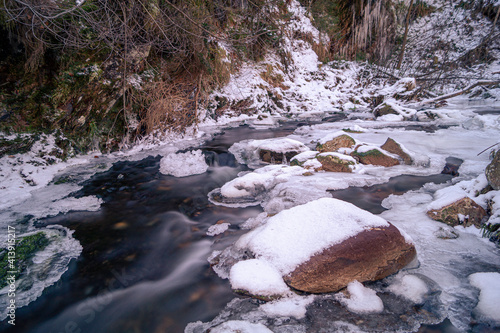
x: 390, y: 110
x: 395, y: 148
x: 336, y: 162
x: 275, y: 151
x: 328, y: 144
x: 368, y: 154
x: 464, y: 212
x: 317, y: 247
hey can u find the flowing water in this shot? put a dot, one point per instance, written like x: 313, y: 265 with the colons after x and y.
x: 144, y: 265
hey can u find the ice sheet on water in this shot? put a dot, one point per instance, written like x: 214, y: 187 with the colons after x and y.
x: 22, y: 174
x: 448, y: 262
x: 45, y: 268
x: 183, y: 164
x: 217, y: 229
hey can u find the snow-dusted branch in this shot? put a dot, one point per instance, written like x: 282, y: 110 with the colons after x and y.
x: 460, y: 92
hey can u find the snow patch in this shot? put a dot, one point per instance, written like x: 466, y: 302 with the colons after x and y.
x: 489, y: 286
x: 361, y: 299
x: 409, y: 287
x: 258, y: 277
x: 183, y: 164
x: 292, y: 306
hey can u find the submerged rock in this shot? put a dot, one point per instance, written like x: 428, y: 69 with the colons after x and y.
x: 369, y: 256
x: 395, y: 148
x: 493, y: 172
x: 452, y: 165
x: 374, y: 157
x: 465, y: 212
x: 333, y: 145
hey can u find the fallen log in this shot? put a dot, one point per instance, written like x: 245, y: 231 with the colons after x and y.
x: 460, y: 92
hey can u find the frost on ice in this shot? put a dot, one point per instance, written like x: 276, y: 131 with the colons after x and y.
x: 183, y: 164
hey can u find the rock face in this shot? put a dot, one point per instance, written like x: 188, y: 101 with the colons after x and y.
x: 370, y: 255
x: 493, y: 172
x: 374, y: 157
x: 342, y: 141
x: 334, y: 164
x: 393, y: 147
x: 462, y: 212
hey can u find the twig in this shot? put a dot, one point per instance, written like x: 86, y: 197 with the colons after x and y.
x: 488, y: 148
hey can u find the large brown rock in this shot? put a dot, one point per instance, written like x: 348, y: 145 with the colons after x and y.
x: 375, y: 157
x: 341, y: 141
x: 464, y: 212
x: 393, y: 147
x: 370, y: 255
x: 493, y: 172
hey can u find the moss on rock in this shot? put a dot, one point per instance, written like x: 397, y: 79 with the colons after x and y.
x: 25, y: 249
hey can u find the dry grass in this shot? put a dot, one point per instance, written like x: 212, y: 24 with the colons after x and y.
x: 167, y: 105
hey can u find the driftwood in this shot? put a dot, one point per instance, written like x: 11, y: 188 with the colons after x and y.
x: 460, y: 92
